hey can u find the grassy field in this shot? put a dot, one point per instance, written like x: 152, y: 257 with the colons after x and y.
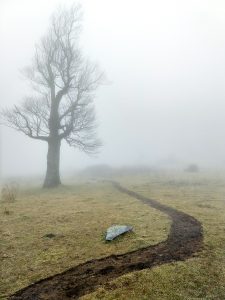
x: 79, y: 214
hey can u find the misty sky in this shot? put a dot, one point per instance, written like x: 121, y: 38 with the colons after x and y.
x: 165, y: 61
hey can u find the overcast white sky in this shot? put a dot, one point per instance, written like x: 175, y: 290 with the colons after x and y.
x: 165, y: 60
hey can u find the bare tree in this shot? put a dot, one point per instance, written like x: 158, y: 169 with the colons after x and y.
x: 63, y: 85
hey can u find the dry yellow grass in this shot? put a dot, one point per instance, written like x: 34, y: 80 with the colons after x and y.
x: 201, y: 195
x: 78, y: 215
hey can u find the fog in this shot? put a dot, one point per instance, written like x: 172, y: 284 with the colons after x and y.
x: 164, y: 100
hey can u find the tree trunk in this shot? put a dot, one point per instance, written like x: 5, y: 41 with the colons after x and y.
x: 52, y: 178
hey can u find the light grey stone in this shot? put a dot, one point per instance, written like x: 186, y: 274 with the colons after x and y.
x: 116, y: 230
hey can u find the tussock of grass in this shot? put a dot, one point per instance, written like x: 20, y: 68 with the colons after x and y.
x: 77, y: 216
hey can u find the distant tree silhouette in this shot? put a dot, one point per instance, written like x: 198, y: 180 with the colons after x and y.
x: 63, y: 85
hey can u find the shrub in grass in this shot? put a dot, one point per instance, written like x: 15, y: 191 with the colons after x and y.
x: 9, y: 192
x: 192, y: 168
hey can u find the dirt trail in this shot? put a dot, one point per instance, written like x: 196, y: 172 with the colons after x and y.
x: 185, y: 238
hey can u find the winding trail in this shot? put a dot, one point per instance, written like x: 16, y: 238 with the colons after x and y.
x: 185, y: 239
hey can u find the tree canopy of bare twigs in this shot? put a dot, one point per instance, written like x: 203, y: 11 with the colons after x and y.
x: 63, y: 84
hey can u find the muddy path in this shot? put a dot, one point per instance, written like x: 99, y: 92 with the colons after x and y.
x: 184, y: 240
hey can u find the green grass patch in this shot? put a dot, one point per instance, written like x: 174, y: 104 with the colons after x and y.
x: 201, y: 195
x: 78, y: 217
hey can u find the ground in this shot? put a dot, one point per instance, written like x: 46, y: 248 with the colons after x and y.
x: 79, y: 214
